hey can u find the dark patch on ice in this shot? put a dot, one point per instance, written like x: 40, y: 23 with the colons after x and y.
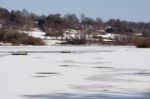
x: 45, y: 74
x: 65, y: 65
x: 102, y: 67
x: 110, y: 77
x: 143, y: 73
x: 85, y: 96
x: 132, y: 70
x: 93, y: 87
x: 69, y: 66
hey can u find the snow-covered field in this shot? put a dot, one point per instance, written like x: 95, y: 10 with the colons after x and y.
x: 89, y: 72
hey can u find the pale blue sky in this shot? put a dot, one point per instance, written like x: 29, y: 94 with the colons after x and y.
x: 132, y: 10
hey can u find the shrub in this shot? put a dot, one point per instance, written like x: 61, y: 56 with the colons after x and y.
x: 143, y: 43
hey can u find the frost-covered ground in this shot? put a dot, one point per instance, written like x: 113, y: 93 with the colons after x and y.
x: 89, y: 72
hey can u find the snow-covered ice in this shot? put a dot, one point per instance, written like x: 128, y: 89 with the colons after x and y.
x: 90, y: 72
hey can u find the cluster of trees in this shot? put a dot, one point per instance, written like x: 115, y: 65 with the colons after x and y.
x: 53, y: 24
x: 126, y: 27
x: 17, y: 19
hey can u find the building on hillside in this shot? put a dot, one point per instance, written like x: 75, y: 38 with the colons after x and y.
x: 71, y: 34
x: 77, y: 34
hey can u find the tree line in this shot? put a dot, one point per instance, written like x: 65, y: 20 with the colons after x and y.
x: 53, y: 24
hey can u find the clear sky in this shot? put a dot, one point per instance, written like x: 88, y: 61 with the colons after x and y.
x: 132, y: 10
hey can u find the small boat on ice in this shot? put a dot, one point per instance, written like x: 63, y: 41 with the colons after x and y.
x: 66, y: 51
x: 19, y: 53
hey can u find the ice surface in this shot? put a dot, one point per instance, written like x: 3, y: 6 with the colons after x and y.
x: 89, y: 72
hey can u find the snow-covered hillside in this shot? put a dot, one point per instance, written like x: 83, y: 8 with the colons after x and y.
x: 36, y: 33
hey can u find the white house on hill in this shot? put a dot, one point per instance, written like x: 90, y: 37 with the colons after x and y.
x: 72, y: 34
